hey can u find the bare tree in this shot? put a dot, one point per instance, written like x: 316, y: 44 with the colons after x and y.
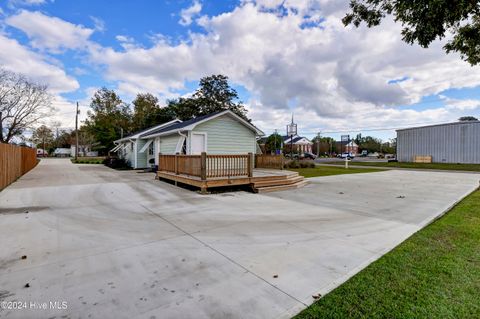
x: 22, y: 104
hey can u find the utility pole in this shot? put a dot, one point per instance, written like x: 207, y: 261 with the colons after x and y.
x: 276, y: 133
x: 318, y: 144
x: 76, y: 133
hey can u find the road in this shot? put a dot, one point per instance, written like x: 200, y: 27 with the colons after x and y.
x: 119, y: 244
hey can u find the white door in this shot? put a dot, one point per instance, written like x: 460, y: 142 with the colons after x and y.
x: 198, y: 143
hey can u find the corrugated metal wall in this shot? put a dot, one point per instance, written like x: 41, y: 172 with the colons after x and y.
x: 449, y: 143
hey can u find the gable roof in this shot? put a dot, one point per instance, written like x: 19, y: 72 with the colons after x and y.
x: 296, y: 138
x: 190, y: 124
x: 147, y: 130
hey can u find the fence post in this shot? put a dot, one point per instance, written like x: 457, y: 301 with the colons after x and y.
x: 249, y: 165
x: 159, y: 162
x: 203, y: 166
x: 176, y: 163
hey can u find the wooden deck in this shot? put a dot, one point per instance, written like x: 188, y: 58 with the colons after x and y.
x: 263, y: 180
x: 206, y: 171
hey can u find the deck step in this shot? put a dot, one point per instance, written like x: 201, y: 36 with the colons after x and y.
x: 268, y: 189
x: 277, y: 182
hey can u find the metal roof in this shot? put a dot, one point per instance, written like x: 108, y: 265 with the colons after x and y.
x: 442, y: 124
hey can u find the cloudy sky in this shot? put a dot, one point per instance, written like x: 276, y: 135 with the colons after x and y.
x: 282, y: 56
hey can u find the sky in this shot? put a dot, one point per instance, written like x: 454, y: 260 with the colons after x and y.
x: 283, y: 57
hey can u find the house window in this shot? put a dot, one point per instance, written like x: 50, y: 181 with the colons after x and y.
x: 150, y: 149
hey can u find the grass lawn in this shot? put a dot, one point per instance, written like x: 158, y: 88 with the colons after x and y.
x: 433, y: 274
x: 458, y: 167
x: 327, y: 171
x: 88, y: 160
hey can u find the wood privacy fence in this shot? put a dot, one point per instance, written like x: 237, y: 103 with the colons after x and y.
x: 269, y: 161
x: 207, y: 166
x: 14, y: 162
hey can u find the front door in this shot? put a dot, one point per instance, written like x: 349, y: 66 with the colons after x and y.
x: 198, y: 143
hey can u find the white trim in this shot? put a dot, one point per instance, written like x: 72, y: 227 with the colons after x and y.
x: 116, y: 148
x: 136, y: 153
x: 178, y: 148
x: 205, y: 145
x: 144, y: 148
x: 156, y: 127
x: 193, y: 125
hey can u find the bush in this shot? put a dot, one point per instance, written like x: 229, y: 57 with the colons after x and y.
x: 299, y: 164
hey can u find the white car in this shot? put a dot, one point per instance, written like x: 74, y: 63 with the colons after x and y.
x: 347, y: 155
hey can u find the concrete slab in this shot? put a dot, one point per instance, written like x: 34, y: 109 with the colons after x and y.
x: 118, y: 244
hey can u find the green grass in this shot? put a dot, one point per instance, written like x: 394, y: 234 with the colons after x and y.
x: 327, y: 171
x: 88, y: 160
x: 441, y: 166
x: 433, y: 274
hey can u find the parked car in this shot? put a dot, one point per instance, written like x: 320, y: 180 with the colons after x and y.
x: 346, y: 155
x: 364, y: 153
x: 308, y: 155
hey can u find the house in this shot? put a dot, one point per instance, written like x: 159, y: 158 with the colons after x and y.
x: 137, y: 151
x: 61, y: 152
x: 347, y: 147
x: 457, y: 142
x: 300, y: 144
x: 83, y: 150
x: 217, y: 133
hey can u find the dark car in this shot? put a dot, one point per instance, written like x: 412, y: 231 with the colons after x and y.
x: 308, y: 155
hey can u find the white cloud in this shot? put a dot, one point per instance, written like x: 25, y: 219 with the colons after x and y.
x: 50, y: 33
x: 461, y: 105
x: 17, y: 58
x: 15, y: 3
x: 98, y: 23
x: 338, y: 76
x: 186, y: 15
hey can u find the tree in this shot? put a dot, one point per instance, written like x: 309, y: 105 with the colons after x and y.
x: 147, y: 112
x: 324, y: 145
x: 424, y: 21
x: 22, y: 104
x: 467, y: 118
x: 213, y: 95
x: 108, y: 118
x: 369, y: 143
x: 273, y: 143
x: 42, y: 137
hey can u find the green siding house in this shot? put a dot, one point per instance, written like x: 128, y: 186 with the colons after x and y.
x: 217, y: 133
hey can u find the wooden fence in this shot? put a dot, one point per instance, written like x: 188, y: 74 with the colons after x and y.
x: 14, y: 162
x: 269, y: 161
x: 207, y: 166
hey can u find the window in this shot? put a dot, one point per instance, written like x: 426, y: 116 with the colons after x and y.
x: 131, y: 147
x: 150, y: 149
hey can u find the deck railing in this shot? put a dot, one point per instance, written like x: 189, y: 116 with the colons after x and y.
x: 207, y: 166
x: 269, y: 161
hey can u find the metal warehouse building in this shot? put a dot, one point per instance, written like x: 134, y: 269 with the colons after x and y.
x: 457, y: 142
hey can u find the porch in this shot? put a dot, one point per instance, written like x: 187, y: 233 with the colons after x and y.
x: 263, y: 173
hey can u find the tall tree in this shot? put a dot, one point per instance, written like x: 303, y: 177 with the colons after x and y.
x: 213, y: 95
x: 424, y: 21
x: 467, y: 118
x: 147, y: 112
x: 22, y: 104
x: 43, y: 137
x: 108, y: 118
x: 273, y: 143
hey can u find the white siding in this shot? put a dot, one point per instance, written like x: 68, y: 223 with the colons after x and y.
x: 168, y: 143
x: 226, y: 135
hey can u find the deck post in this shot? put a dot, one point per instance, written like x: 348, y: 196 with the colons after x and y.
x: 203, y: 166
x: 249, y: 164
x: 176, y: 163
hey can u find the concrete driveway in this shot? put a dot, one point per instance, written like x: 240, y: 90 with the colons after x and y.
x: 118, y: 244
